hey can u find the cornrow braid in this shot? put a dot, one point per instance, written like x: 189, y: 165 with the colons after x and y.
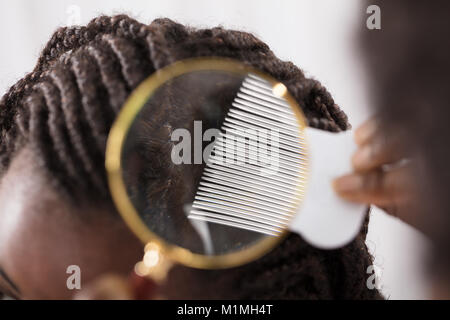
x: 65, y: 107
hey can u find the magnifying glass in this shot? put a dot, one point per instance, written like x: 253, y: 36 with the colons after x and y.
x: 210, y: 164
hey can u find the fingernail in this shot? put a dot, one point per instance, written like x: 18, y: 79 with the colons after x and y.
x: 362, y: 157
x: 346, y: 184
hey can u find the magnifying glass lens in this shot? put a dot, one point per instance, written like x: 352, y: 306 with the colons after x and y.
x: 164, y: 155
x: 207, y: 160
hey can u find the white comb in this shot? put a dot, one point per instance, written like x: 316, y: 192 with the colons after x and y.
x: 241, y: 189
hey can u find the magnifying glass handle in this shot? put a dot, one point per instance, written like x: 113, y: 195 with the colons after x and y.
x: 143, y: 288
x: 324, y: 219
x: 150, y: 273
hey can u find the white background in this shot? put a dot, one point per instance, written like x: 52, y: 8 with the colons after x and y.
x: 318, y: 36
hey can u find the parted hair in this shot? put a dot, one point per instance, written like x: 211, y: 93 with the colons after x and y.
x: 64, y: 108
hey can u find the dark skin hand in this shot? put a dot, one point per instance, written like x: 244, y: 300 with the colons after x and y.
x: 383, y: 178
x: 384, y: 174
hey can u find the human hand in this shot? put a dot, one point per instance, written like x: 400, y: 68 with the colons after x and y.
x: 384, y: 174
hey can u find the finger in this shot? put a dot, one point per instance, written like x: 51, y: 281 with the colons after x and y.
x: 366, y: 132
x: 381, y: 188
x: 395, y: 191
x: 379, y: 151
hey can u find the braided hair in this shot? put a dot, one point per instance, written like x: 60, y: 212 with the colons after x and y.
x: 65, y: 107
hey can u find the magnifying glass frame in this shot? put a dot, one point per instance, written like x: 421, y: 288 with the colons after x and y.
x: 115, y: 143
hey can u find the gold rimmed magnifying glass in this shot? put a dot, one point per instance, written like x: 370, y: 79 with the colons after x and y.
x: 186, y: 206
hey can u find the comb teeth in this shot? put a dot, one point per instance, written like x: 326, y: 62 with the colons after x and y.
x: 239, y: 190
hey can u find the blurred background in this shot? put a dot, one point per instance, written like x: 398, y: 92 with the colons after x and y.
x: 319, y: 36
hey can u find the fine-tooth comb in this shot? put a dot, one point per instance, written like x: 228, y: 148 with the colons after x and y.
x: 238, y: 189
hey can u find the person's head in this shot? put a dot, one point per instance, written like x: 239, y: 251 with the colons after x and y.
x: 55, y: 207
x: 408, y: 69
